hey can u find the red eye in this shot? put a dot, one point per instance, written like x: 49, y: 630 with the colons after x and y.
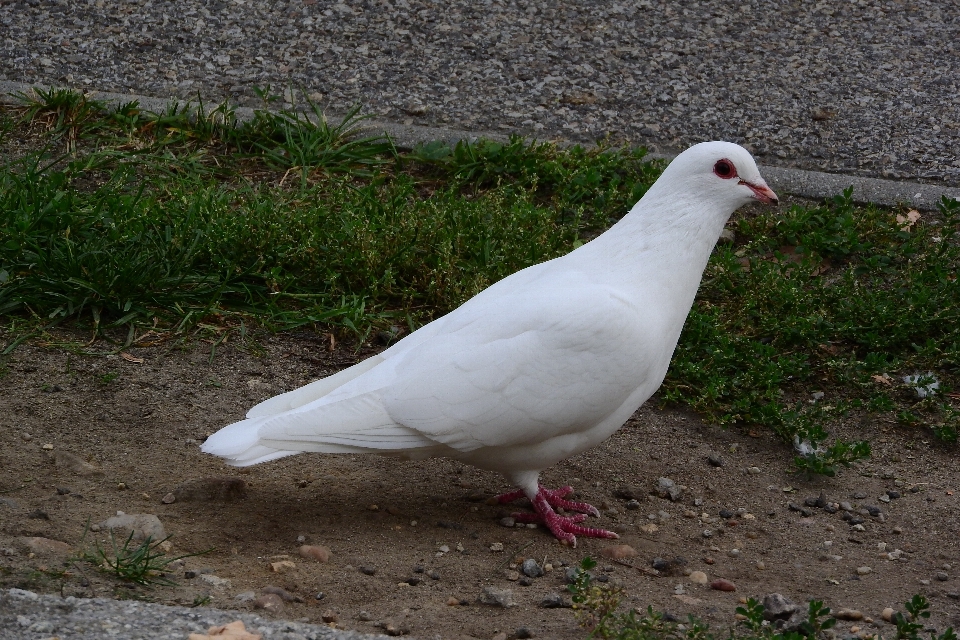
x: 725, y: 169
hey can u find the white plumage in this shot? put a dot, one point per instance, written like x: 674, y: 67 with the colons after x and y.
x: 542, y: 365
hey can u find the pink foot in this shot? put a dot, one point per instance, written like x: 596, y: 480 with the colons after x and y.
x: 565, y: 528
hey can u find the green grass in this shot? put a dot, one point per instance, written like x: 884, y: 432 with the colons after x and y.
x: 120, y: 221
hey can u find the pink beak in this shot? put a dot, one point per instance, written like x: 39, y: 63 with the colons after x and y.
x: 762, y: 192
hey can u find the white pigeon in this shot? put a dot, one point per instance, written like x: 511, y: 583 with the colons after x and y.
x: 541, y: 366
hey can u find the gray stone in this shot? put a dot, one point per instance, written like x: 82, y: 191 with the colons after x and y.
x: 142, y: 525
x: 555, y: 601
x: 778, y: 607
x: 531, y: 569
x: 668, y: 489
x: 497, y: 597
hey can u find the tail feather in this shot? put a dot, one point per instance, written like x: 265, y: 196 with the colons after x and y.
x: 357, y: 424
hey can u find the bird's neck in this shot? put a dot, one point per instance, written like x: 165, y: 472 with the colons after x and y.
x: 654, y: 247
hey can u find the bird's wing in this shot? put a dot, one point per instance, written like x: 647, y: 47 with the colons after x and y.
x: 310, y: 392
x: 324, y: 386
x: 542, y: 364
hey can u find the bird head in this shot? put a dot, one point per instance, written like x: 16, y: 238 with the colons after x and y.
x: 722, y: 172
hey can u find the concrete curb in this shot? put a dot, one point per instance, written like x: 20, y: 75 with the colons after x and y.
x: 814, y: 185
x: 25, y: 615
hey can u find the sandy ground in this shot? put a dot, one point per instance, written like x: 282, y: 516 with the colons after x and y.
x: 131, y: 424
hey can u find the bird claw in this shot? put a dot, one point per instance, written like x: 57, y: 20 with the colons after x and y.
x: 565, y: 528
x: 554, y: 497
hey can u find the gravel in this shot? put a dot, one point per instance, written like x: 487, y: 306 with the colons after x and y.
x: 867, y: 87
x: 25, y: 615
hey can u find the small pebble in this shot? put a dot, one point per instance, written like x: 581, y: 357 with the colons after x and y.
x: 496, y: 546
x: 507, y: 522
x: 283, y: 566
x: 707, y: 533
x: 497, y: 597
x: 285, y: 595
x: 753, y: 471
x: 168, y: 499
x: 433, y: 574
x: 329, y: 616
x: 618, y: 552
x: 723, y: 585
x: 522, y: 633
x: 531, y: 568
x: 942, y: 576
x: 269, y: 602
x: 848, y: 614
x: 862, y: 571
x: 368, y: 570
x: 893, y: 494
x: 315, y: 552
x: 554, y: 601
x: 511, y: 575
x: 884, y: 498
x: 887, y: 614
x: 364, y: 616
x: 698, y: 577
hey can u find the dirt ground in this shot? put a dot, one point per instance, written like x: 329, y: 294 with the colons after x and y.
x: 138, y: 417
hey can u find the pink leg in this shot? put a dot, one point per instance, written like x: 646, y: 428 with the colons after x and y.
x: 565, y: 528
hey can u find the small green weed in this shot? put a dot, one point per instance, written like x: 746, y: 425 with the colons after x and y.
x: 910, y: 626
x: 201, y: 601
x: 596, y: 609
x: 139, y: 562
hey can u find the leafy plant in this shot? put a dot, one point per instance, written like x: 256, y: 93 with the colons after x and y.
x: 909, y: 626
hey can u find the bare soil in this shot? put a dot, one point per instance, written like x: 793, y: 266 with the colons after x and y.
x: 139, y: 417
